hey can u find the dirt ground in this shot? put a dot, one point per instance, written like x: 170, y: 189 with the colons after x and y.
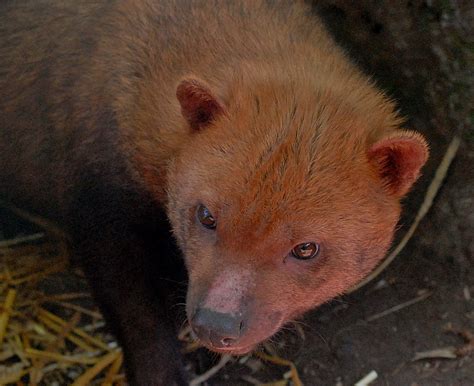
x: 421, y: 53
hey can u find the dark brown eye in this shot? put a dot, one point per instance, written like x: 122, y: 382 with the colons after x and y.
x: 305, y: 251
x: 205, y: 217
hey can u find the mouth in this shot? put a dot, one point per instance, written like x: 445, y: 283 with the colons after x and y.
x: 236, y: 351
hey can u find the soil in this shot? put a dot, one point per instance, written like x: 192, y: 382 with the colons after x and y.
x: 421, y: 53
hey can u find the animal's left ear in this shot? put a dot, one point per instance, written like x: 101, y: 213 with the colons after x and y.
x: 398, y: 159
x: 199, y: 105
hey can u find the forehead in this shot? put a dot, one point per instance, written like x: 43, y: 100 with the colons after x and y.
x: 284, y: 184
x: 285, y: 154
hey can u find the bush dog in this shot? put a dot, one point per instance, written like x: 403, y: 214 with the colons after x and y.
x: 277, y: 163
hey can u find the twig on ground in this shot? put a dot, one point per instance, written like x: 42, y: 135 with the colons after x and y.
x: 212, y: 371
x: 113, y: 371
x: 398, y: 307
x: 91, y: 373
x: 368, y: 379
x: 282, y: 362
x: 21, y: 240
x: 439, y: 353
x: 5, y: 313
x: 450, y: 352
x: 467, y: 293
x: 75, y: 307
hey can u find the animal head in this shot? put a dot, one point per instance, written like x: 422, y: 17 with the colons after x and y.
x: 282, y: 198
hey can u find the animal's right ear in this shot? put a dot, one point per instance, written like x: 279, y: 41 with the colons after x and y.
x: 199, y: 105
x: 398, y: 159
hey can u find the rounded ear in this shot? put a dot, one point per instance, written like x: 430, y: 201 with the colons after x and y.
x: 398, y: 159
x: 198, y: 104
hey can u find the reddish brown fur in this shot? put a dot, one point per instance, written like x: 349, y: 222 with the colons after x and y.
x: 111, y: 112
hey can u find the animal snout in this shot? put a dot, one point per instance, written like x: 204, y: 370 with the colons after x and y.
x: 217, y: 329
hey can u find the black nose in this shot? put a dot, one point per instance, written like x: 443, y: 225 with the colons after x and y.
x: 216, y: 329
